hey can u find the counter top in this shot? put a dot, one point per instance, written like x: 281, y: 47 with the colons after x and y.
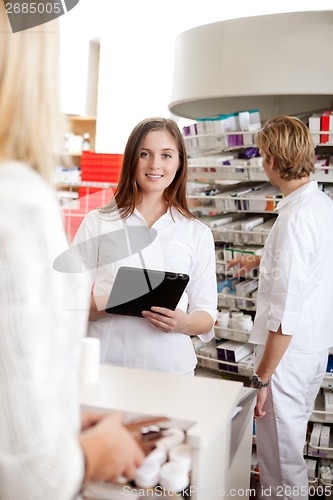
x: 205, y: 403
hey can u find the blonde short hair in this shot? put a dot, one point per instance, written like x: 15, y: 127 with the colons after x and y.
x: 288, y: 140
x: 31, y: 124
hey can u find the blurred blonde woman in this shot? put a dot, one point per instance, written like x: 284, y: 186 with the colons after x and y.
x: 43, y: 313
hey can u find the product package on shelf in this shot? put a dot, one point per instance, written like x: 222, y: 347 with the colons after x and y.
x: 232, y: 352
x: 231, y: 130
x: 244, y: 289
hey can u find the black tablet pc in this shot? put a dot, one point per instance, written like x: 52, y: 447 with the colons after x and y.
x: 136, y: 290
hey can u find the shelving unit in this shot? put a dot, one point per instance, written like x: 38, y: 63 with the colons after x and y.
x: 79, y: 125
x: 78, y: 197
x: 315, y: 450
x: 207, y: 171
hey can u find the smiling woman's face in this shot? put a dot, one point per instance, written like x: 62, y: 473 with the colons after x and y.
x: 158, y: 163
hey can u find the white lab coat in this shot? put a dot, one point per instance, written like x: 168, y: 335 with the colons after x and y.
x: 296, y: 292
x: 174, y: 244
x: 281, y: 434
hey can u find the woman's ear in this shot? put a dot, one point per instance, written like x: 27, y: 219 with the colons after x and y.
x: 271, y: 163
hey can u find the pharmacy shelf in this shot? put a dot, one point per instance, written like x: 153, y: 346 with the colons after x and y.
x: 250, y: 173
x: 240, y: 297
x: 327, y: 383
x: 207, y: 168
x: 240, y: 368
x: 313, y: 483
x: 319, y: 414
x: 91, y: 184
x: 217, y: 172
x: 198, y: 151
x: 229, y: 296
x: 328, y: 450
x: 221, y: 231
x: 236, y: 197
x: 216, y: 202
x: 231, y: 334
x: 225, y: 134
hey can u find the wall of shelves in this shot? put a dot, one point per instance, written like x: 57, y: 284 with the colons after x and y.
x: 207, y: 172
x: 209, y: 196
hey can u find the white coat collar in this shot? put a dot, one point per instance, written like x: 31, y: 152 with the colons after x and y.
x: 297, y: 194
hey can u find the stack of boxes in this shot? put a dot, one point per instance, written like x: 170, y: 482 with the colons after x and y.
x: 319, y: 123
x: 100, y: 167
x: 231, y: 130
x: 98, y: 171
x: 232, y: 352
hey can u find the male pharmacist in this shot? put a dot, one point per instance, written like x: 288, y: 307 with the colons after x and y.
x: 293, y: 327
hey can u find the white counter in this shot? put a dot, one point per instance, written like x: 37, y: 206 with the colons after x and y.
x: 204, y: 407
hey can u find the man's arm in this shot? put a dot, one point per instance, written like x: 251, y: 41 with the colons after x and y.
x: 276, y: 345
x: 244, y: 264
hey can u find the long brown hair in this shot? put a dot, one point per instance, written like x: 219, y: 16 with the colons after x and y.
x: 128, y: 192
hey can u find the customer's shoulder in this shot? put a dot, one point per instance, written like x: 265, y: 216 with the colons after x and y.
x: 22, y: 188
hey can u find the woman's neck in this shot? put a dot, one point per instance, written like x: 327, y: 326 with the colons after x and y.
x: 152, y: 209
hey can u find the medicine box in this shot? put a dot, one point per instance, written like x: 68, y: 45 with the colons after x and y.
x: 314, y: 126
x: 220, y: 228
x: 233, y: 351
x: 325, y: 126
x: 263, y: 230
x: 248, y: 225
x: 208, y: 351
x: 328, y: 395
x: 226, y: 233
x: 245, y: 289
x: 244, y: 120
x: 324, y: 437
x: 262, y: 199
x: 251, y: 222
x: 213, y: 221
x: 193, y: 132
x: 246, y: 366
x: 314, y: 439
x: 311, y: 466
x: 315, y: 434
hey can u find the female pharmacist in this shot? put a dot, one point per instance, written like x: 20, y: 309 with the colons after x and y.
x: 293, y: 324
x: 43, y: 313
x: 151, y: 194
